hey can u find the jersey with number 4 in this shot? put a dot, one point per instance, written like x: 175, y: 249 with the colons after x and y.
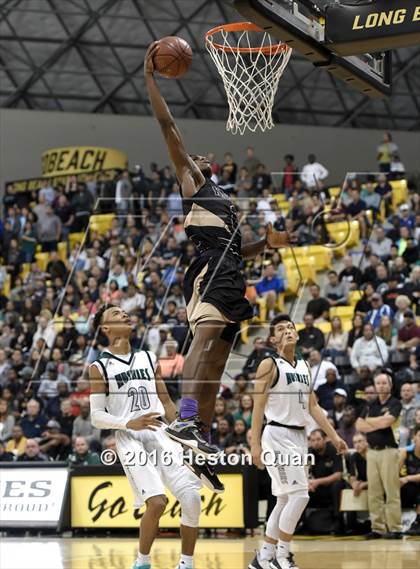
x: 131, y: 385
x: 288, y: 397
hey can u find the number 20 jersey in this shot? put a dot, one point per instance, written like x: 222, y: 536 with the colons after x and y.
x: 288, y: 398
x: 131, y: 383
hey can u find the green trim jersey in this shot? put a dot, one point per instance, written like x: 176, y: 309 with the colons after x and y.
x: 131, y: 384
x: 288, y: 397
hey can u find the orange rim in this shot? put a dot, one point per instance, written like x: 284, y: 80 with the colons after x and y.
x: 244, y: 27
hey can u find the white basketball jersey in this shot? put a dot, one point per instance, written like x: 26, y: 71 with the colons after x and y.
x: 288, y: 398
x: 131, y: 383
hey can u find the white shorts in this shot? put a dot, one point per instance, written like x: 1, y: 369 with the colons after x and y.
x: 143, y: 454
x: 286, y: 447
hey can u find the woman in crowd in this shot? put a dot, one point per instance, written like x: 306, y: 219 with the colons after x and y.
x: 244, y: 412
x: 388, y: 333
x: 236, y: 440
x: 356, y: 330
x: 336, y: 340
x: 7, y: 421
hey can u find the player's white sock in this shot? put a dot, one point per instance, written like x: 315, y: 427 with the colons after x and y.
x: 186, y: 561
x: 283, y: 549
x: 143, y: 559
x: 267, y: 551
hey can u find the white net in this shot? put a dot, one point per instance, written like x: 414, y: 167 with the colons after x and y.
x: 250, y: 74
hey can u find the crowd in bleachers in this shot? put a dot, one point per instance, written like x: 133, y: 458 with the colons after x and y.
x: 54, y: 276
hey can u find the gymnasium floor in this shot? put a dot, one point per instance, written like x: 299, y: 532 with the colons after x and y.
x: 115, y: 553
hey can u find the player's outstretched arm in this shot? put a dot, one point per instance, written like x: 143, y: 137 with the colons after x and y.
x: 266, y: 374
x: 188, y: 174
x: 319, y: 417
x: 169, y: 406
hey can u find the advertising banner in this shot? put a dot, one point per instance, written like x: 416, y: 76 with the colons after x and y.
x: 32, y: 496
x: 107, y: 501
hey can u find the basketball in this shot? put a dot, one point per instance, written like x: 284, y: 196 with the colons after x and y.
x: 174, y: 57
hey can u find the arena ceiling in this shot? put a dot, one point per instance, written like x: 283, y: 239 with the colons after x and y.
x: 87, y: 55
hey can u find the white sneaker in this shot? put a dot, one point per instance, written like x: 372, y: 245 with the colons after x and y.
x: 283, y: 563
x: 258, y: 563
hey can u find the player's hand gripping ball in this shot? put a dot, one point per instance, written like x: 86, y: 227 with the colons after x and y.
x: 171, y: 57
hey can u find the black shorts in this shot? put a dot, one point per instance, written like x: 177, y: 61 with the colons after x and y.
x: 214, y: 289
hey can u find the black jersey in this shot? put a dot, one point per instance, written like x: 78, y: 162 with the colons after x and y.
x: 412, y: 463
x: 211, y: 221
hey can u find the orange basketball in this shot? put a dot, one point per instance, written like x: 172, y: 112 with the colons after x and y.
x: 173, y: 58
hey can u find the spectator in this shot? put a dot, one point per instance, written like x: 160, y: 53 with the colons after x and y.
x: 310, y: 338
x: 245, y: 410
x: 319, y: 368
x: 49, y: 230
x: 350, y: 275
x: 385, y: 151
x: 5, y: 456
x: 347, y: 422
x: 380, y: 245
x: 356, y: 330
x: 290, y: 174
x: 371, y: 198
x: 382, y: 461
x: 313, y: 173
x: 406, y: 218
x: 258, y: 354
x: 49, y: 381
x: 391, y: 294
x: 55, y: 444
x: 251, y: 162
x: 409, y: 334
x: 82, y: 425
x: 408, y: 412
x: 82, y: 205
x: 356, y: 209
x: 222, y: 432
x: 327, y: 390
x: 388, y: 333
x: 335, y: 292
x: 81, y: 394
x: 269, y: 288
x: 17, y: 444
x: 221, y: 412
x: 33, y: 423
x: 65, y: 417
x: 410, y: 481
x: 171, y: 366
x: 261, y: 180
x: 326, y: 473
x: 230, y: 168
x: 319, y: 306
x: 7, y: 421
x: 336, y: 340
x: 357, y: 462
x: 369, y: 350
x: 32, y: 453
x: 81, y: 454
x: 236, y: 440
x: 403, y: 304
x: 45, y: 329
x: 53, y: 406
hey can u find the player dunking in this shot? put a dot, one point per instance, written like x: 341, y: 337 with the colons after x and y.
x: 283, y: 394
x: 214, y: 286
x: 129, y: 395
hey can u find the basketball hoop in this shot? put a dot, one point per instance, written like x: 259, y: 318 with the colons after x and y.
x: 250, y: 65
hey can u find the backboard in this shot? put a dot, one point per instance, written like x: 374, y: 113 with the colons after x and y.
x: 301, y: 24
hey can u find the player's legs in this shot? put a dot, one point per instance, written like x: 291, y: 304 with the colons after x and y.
x: 210, y: 388
x: 267, y: 551
x: 203, y: 368
x: 185, y: 487
x: 289, y: 484
x: 147, y: 488
x: 149, y: 526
